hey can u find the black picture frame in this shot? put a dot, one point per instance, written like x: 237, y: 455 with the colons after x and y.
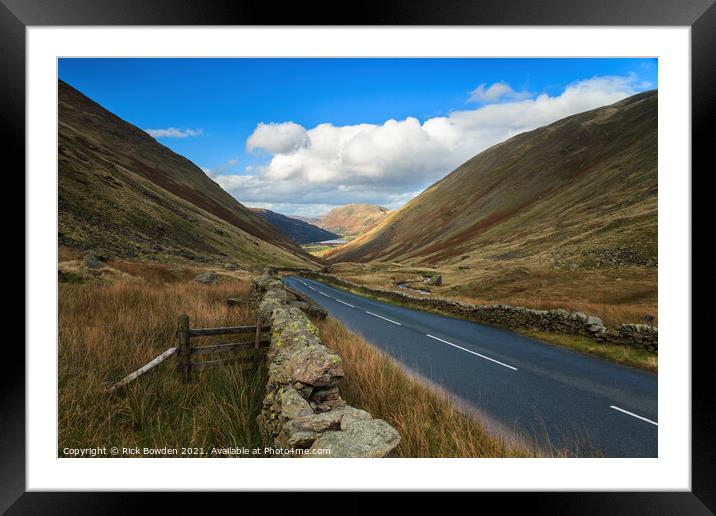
x: 17, y: 15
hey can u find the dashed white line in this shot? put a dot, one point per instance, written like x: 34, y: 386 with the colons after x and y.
x: 309, y: 286
x: 384, y: 318
x: 323, y: 293
x: 347, y: 304
x: 473, y: 352
x: 634, y: 415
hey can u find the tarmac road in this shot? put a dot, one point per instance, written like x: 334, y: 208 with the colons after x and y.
x: 559, y: 397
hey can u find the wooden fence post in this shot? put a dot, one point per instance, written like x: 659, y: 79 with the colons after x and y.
x: 258, y: 333
x: 184, y: 355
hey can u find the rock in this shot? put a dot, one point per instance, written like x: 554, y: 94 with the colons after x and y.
x: 231, y: 266
x: 329, y: 405
x: 208, y: 278
x: 369, y: 438
x: 323, y: 395
x: 293, y: 404
x: 301, y: 305
x: 93, y: 261
x: 351, y: 415
x: 314, y: 365
x: 436, y: 280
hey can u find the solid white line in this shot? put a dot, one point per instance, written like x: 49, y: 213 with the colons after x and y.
x: 381, y: 317
x: 634, y: 415
x: 470, y: 351
x: 347, y: 304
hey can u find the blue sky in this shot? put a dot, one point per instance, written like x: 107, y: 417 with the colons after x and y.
x: 344, y: 130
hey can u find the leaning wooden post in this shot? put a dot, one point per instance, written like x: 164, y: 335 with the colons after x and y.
x: 184, y: 356
x: 258, y: 333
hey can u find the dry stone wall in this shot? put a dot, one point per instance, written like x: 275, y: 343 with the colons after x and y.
x: 639, y: 336
x: 303, y: 408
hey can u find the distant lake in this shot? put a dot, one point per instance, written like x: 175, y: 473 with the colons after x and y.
x: 337, y: 241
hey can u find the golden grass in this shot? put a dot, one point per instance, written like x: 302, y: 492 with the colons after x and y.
x: 615, y: 297
x: 429, y: 423
x: 108, y: 331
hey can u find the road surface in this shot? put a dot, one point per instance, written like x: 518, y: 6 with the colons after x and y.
x: 559, y: 397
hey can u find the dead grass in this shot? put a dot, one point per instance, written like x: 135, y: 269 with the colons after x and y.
x: 107, y: 331
x: 154, y: 272
x: 617, y: 297
x: 429, y: 423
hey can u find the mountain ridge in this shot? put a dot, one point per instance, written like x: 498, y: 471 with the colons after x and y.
x: 299, y: 231
x: 120, y: 189
x: 353, y: 219
x: 513, y: 179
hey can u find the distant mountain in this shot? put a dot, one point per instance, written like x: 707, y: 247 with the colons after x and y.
x: 353, y: 219
x: 294, y: 228
x: 579, y: 193
x: 121, y: 190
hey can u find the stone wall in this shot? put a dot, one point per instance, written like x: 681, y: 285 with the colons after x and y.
x: 303, y: 407
x: 639, y: 336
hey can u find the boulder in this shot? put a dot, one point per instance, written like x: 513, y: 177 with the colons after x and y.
x: 94, y: 261
x: 435, y: 280
x: 208, y: 278
x: 314, y: 365
x: 368, y: 438
x: 293, y: 404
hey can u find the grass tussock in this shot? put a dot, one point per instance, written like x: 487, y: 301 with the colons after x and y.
x: 108, y: 331
x: 429, y: 423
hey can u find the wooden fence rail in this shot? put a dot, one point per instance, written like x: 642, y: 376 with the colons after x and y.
x: 186, y: 364
x: 185, y: 351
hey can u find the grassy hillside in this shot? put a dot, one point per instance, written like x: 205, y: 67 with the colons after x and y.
x: 353, y: 219
x: 121, y: 190
x: 564, y: 214
x: 297, y: 230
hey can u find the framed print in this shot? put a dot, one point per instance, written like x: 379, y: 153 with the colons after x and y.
x: 434, y: 245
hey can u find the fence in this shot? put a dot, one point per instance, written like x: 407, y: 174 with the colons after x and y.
x: 186, y: 362
x: 187, y: 355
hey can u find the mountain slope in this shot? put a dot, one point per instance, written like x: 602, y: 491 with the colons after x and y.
x: 579, y: 193
x: 353, y: 219
x: 122, y: 190
x: 297, y: 230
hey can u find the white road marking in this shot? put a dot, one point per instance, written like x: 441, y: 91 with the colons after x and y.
x: 309, y: 286
x: 347, y: 304
x: 384, y: 318
x: 470, y: 351
x: 634, y: 415
x: 323, y: 293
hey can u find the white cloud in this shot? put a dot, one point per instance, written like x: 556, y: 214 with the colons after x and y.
x: 173, y: 132
x: 495, y: 92
x: 233, y: 161
x: 389, y: 163
x: 276, y: 138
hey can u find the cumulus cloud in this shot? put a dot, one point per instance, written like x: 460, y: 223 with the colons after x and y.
x: 390, y: 163
x: 277, y: 138
x: 173, y: 132
x: 495, y: 92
